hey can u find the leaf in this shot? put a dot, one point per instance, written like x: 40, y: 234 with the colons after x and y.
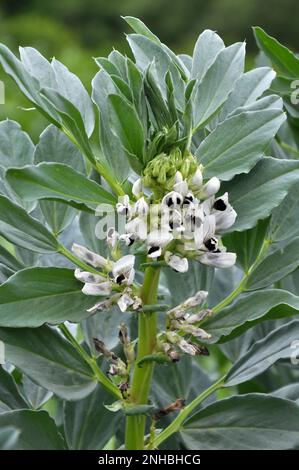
x: 37, y: 430
x: 255, y: 195
x: 10, y: 261
x: 211, y: 92
x: 140, y: 28
x: 111, y: 146
x: 55, y: 75
x: 8, y: 437
x: 197, y: 278
x: 284, y: 222
x: 37, y: 396
x: 59, y: 181
x: 289, y: 392
x: 127, y: 126
x: 248, y: 88
x: 71, y: 87
x: 25, y: 231
x: 247, y: 244
x: 238, y: 142
x: 264, y: 353
x: 49, y: 360
x: 16, y: 147
x: 147, y: 52
x: 248, y: 310
x: 88, y: 425
x: 184, y: 379
x: 282, y: 59
x: 35, y: 296
x: 71, y: 120
x: 275, y: 266
x: 119, y: 60
x: 206, y: 50
x: 9, y: 392
x: 267, y: 102
x: 102, y: 325
x: 252, y: 421
x: 54, y: 146
x: 28, y: 85
x: 89, y: 230
x: 38, y: 66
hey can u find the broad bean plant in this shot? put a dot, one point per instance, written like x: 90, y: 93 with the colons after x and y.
x: 149, y: 251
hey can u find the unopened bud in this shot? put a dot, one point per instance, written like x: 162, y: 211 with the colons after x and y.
x: 137, y: 188
x: 211, y: 187
x: 102, y: 349
x: 197, y: 179
x: 197, y: 317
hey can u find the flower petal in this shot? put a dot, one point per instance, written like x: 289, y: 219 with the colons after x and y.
x: 176, y: 262
x: 225, y: 219
x: 104, y: 288
x: 211, y: 187
x: 197, y: 178
x: 159, y: 237
x: 198, y: 299
x: 124, y: 265
x: 95, y: 260
x: 218, y: 260
x: 85, y: 276
x: 124, y: 302
x: 137, y: 187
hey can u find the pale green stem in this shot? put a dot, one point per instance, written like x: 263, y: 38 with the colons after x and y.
x: 177, y: 423
x: 98, y: 373
x: 74, y: 259
x: 242, y: 285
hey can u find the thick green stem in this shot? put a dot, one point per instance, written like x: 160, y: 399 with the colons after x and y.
x: 182, y: 416
x: 99, y: 375
x: 142, y: 376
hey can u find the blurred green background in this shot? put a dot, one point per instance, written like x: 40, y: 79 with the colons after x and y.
x: 74, y: 31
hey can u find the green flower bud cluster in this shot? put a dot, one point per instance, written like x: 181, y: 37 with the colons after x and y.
x: 160, y: 172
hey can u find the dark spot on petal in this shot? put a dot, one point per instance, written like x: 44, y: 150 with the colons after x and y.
x: 153, y: 249
x: 169, y: 202
x: 211, y: 244
x: 188, y: 199
x: 89, y: 256
x: 120, y: 279
x: 131, y: 241
x: 220, y: 205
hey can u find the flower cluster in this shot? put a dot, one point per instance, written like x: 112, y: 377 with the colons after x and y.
x: 115, y: 282
x: 184, y: 224
x: 118, y: 369
x: 182, y: 328
x: 175, y: 216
